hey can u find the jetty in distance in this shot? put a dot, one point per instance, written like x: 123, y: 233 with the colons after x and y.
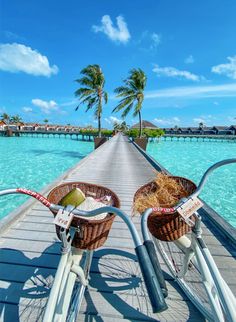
x: 204, y: 133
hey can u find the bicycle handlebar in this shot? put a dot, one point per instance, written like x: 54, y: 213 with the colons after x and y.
x: 150, y: 279
x: 199, y: 188
x: 147, y: 268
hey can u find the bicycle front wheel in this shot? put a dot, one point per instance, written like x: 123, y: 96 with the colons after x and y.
x: 173, y: 254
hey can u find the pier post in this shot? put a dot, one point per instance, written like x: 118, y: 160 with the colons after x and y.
x: 9, y: 133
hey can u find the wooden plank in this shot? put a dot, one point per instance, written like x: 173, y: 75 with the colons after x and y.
x: 134, y: 307
x: 27, y: 258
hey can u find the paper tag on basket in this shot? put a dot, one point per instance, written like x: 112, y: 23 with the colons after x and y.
x: 189, y: 208
x: 63, y: 218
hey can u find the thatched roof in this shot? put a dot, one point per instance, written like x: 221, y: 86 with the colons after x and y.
x: 145, y: 125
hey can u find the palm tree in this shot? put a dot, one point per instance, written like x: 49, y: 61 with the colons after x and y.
x: 132, y: 94
x: 46, y: 121
x: 124, y: 127
x: 6, y: 118
x: 15, y: 119
x: 201, y: 125
x: 92, y: 93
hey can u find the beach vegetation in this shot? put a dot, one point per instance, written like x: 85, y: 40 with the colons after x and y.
x: 148, y: 133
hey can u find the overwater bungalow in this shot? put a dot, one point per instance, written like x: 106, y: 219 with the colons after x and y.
x: 205, y: 130
x: 145, y: 125
x: 40, y: 127
x: 223, y: 130
x: 233, y: 129
x: 14, y: 126
x: 208, y: 130
x: 60, y: 128
x: 2, y: 125
x: 29, y: 126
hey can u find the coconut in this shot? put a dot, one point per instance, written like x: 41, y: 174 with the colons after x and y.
x: 74, y: 198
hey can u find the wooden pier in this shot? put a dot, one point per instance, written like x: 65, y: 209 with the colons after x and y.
x: 200, y: 137
x: 55, y: 134
x: 29, y: 250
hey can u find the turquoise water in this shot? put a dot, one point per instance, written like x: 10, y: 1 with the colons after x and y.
x: 35, y: 162
x: 191, y: 160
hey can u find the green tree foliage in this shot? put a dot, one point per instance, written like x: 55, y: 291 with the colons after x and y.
x: 149, y: 133
x: 5, y: 118
x: 15, y: 119
x: 122, y: 127
x: 92, y: 92
x: 132, y: 95
x: 11, y: 119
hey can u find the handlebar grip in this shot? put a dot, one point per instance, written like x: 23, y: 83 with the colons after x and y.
x: 156, y: 265
x: 152, y: 285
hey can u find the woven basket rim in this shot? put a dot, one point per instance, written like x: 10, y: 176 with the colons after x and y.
x: 153, y: 182
x: 83, y: 220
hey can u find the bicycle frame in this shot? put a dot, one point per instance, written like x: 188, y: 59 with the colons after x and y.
x: 220, y: 296
x: 70, y: 266
x: 74, y: 264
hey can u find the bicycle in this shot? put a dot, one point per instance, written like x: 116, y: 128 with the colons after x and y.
x: 190, y: 260
x: 72, y: 273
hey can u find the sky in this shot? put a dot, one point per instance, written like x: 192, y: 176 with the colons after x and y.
x: 187, y: 50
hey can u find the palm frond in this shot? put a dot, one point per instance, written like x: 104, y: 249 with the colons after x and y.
x: 83, y: 91
x: 123, y: 103
x: 86, y: 100
x: 137, y: 108
x: 91, y: 93
x: 91, y: 103
x: 127, y: 110
x: 105, y: 96
x: 124, y: 91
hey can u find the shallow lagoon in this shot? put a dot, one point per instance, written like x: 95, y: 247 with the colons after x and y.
x: 191, y: 160
x: 34, y: 162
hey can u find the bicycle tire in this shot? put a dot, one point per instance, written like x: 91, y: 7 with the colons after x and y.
x: 191, y: 283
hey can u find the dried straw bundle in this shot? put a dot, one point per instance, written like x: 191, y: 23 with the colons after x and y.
x: 165, y: 192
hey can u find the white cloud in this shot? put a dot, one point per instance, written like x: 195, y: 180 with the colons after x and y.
x: 118, y: 34
x: 205, y: 119
x: 171, y: 121
x: 216, y: 103
x: 27, y: 109
x: 46, y: 107
x: 189, y: 60
x: 228, y: 70
x: 176, y: 73
x: 70, y: 103
x: 199, y: 120
x: 16, y: 58
x: 224, y: 90
x: 112, y: 120
x: 148, y: 41
x: 232, y: 119
x: 156, y: 40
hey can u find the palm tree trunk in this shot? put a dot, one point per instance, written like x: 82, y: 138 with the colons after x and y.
x: 140, y: 124
x: 99, y: 126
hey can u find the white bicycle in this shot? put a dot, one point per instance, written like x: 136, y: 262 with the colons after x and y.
x: 72, y: 273
x: 192, y: 266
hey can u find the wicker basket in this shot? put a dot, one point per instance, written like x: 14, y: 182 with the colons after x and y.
x: 168, y: 226
x: 93, y: 233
